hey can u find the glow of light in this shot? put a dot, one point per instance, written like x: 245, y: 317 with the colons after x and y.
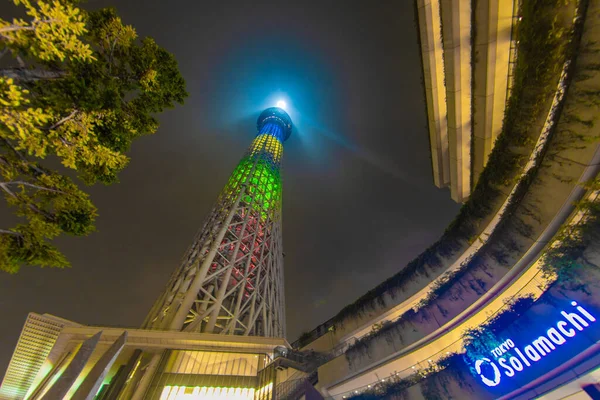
x: 209, y: 393
x: 265, y: 391
x: 44, y: 371
x: 281, y: 104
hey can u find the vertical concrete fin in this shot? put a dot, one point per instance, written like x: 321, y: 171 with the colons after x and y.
x: 118, y: 383
x: 90, y: 385
x: 62, y: 386
x: 41, y: 388
x: 428, y: 13
x: 456, y: 35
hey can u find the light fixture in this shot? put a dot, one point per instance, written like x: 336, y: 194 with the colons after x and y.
x: 281, y: 104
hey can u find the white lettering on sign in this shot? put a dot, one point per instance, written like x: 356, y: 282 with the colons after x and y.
x: 535, y: 351
x: 503, y: 348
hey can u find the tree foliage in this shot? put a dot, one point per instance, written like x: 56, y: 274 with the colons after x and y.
x: 566, y: 261
x: 79, y: 86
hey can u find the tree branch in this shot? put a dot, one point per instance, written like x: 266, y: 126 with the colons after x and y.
x: 65, y: 119
x: 22, y: 157
x: 32, y: 207
x: 14, y: 28
x: 7, y: 232
x: 111, y: 55
x: 30, y: 75
x: 32, y: 186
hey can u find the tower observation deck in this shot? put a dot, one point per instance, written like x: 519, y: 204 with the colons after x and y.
x: 230, y: 280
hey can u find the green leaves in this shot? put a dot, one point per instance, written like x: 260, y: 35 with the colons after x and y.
x: 566, y: 261
x: 53, y: 33
x: 28, y: 245
x: 88, y: 88
x: 50, y: 204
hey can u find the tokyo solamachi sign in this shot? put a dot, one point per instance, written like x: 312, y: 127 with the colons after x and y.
x: 514, y: 357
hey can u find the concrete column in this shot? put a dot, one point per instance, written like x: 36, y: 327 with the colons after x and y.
x: 147, y: 378
x: 435, y: 91
x: 456, y: 34
x: 494, y: 20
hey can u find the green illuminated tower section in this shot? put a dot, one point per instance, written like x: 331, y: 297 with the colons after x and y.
x: 231, y: 279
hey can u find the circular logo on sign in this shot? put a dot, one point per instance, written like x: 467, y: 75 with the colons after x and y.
x: 484, y: 379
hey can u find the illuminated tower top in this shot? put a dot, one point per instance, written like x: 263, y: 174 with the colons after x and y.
x: 231, y: 278
x: 279, y: 118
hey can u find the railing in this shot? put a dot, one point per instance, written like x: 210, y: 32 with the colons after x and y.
x: 294, y: 389
x: 284, y: 390
x: 535, y: 287
x: 313, y: 335
x: 307, y: 363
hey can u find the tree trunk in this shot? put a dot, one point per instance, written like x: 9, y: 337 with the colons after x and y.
x: 30, y: 75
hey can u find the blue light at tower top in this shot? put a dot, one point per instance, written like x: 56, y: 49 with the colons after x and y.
x: 277, y: 116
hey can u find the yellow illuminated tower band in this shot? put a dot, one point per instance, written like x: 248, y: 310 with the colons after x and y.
x: 231, y: 279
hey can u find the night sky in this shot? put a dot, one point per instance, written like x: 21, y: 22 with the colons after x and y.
x: 359, y: 200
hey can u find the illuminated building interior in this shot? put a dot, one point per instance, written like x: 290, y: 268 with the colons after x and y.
x: 214, y: 393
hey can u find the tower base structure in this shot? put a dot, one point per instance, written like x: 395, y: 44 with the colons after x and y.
x: 54, y: 355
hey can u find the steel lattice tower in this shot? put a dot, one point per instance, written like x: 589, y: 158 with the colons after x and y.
x: 231, y: 278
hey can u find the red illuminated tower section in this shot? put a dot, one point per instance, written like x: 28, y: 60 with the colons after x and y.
x: 231, y: 279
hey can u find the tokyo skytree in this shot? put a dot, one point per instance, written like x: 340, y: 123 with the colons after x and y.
x: 230, y: 280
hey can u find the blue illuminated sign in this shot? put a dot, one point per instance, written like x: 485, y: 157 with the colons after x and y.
x: 534, y: 346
